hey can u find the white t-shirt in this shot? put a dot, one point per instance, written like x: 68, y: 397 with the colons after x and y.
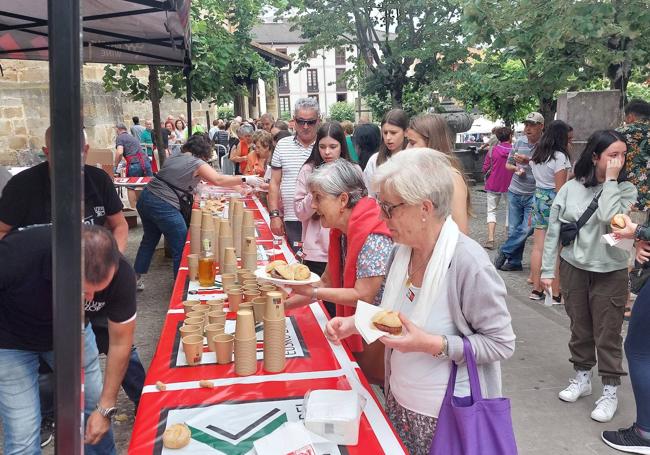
x: 544, y: 173
x: 369, y: 172
x: 418, y: 381
x: 289, y: 155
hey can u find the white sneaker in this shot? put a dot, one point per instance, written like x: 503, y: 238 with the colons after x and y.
x: 578, y: 387
x: 139, y: 285
x: 605, y: 406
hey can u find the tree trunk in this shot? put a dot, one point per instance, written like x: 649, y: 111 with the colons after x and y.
x: 154, y: 96
x: 547, y: 107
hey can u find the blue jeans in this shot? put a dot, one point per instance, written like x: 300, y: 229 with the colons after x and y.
x: 159, y: 217
x: 19, y: 398
x: 519, y: 209
x: 637, y: 350
x: 135, y: 169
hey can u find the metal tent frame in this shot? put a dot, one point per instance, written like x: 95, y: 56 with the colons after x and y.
x: 144, y: 32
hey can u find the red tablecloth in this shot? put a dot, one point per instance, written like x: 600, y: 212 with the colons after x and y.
x: 227, y: 418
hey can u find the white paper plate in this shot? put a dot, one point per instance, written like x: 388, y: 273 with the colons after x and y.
x: 262, y: 275
x: 363, y: 322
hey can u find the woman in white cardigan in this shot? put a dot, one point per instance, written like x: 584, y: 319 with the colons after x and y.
x: 444, y: 287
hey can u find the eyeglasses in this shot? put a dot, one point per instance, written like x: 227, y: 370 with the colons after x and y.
x: 387, y: 209
x: 303, y: 122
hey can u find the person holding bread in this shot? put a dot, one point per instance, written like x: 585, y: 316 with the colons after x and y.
x: 594, y: 274
x: 440, y: 287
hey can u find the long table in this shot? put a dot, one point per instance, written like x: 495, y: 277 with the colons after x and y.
x: 238, y: 410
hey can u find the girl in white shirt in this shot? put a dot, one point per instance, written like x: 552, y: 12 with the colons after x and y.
x: 550, y: 165
x: 393, y: 140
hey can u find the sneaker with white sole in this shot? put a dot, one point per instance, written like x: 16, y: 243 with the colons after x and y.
x: 578, y: 387
x: 139, y: 285
x: 627, y: 440
x: 605, y: 406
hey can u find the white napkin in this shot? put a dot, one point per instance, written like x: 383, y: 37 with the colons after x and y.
x: 290, y: 438
x: 624, y: 244
x: 363, y: 322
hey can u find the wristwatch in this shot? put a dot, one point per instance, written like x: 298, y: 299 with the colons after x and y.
x: 444, y: 351
x: 108, y: 413
x: 274, y: 214
x: 243, y: 179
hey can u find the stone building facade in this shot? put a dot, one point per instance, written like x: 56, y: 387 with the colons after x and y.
x: 25, y: 112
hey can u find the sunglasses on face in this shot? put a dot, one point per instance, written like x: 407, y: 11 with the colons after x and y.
x: 303, y: 122
x: 387, y: 209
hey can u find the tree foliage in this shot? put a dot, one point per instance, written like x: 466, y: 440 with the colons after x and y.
x: 400, y: 43
x: 342, y: 111
x: 561, y: 45
x: 222, y: 59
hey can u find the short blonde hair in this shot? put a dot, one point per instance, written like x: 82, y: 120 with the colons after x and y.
x: 417, y: 175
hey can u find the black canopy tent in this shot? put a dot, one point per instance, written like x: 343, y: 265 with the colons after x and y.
x: 151, y: 32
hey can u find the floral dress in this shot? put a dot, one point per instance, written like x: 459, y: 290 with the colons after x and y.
x: 637, y: 160
x: 372, y: 259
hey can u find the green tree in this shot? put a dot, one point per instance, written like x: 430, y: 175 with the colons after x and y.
x: 222, y: 60
x: 342, y: 111
x: 392, y: 39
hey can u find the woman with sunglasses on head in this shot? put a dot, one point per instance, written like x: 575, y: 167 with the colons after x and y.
x: 444, y: 287
x: 393, y: 140
x: 330, y: 146
x: 431, y: 131
x: 359, y: 245
x: 594, y: 274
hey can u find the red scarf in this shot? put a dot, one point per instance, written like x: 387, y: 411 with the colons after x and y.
x: 364, y: 220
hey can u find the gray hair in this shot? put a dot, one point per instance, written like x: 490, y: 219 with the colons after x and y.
x: 245, y: 130
x: 417, y: 175
x: 305, y: 104
x: 121, y: 126
x: 338, y: 177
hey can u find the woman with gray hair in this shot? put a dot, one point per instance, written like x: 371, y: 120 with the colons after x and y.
x: 360, y: 242
x: 444, y: 287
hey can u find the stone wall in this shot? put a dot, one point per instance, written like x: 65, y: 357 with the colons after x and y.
x: 25, y: 112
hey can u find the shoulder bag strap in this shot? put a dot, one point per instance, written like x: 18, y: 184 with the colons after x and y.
x: 589, y: 212
x: 174, y: 187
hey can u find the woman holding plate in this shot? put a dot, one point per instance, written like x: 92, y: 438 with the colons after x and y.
x: 360, y: 243
x: 444, y: 287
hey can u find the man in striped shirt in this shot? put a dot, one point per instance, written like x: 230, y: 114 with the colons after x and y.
x: 289, y: 156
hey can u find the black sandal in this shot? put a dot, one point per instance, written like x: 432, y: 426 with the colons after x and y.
x: 536, y: 295
x: 558, y: 299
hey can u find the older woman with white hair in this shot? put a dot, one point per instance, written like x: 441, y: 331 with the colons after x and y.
x: 444, y: 287
x: 239, y: 152
x: 360, y: 243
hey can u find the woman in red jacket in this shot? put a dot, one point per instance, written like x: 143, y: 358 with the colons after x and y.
x: 360, y: 242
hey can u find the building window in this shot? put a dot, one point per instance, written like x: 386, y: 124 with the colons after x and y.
x: 283, y: 82
x: 312, y: 80
x: 341, y: 85
x: 310, y: 54
x: 285, y: 104
x: 339, y: 56
x: 341, y: 97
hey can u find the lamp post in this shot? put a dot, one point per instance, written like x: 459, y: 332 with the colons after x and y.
x: 324, y: 88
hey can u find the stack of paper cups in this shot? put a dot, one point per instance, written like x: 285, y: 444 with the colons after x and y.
x: 247, y: 227
x: 229, y: 261
x: 216, y: 222
x: 195, y: 231
x: 206, y: 219
x: 245, y: 344
x: 225, y: 241
x: 274, y: 334
x: 237, y: 218
x: 249, y: 253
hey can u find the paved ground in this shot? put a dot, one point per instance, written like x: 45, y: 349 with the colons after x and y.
x: 532, y: 378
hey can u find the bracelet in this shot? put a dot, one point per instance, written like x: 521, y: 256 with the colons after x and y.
x: 444, y: 351
x: 637, y: 231
x: 274, y: 214
x: 314, y: 294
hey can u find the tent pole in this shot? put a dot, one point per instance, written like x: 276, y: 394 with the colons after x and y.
x: 187, y: 69
x: 64, y: 21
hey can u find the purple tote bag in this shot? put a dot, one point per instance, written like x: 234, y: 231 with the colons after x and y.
x: 473, y: 425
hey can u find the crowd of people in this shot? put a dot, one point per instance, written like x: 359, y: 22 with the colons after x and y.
x: 381, y: 214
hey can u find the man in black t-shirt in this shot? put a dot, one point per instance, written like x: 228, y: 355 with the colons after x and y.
x: 26, y: 199
x: 26, y: 332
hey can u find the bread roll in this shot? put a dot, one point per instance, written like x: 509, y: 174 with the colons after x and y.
x: 177, y: 436
x: 300, y: 272
x: 388, y: 321
x: 618, y: 221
